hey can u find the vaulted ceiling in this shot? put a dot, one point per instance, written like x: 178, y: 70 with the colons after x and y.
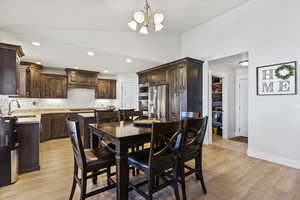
x: 68, y: 29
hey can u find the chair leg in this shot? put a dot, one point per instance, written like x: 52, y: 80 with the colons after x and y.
x: 73, y: 189
x: 150, y: 186
x: 157, y: 181
x: 137, y: 170
x: 174, y: 184
x: 182, y: 179
x: 199, y: 174
x: 108, y: 175
x: 83, y: 187
x: 95, y: 178
x: 133, y: 169
x: 74, y: 181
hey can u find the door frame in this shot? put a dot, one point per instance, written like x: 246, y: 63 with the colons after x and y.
x: 237, y: 104
x: 224, y: 103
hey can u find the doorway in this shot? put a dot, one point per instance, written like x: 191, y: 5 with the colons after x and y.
x: 228, y: 102
x: 217, y: 107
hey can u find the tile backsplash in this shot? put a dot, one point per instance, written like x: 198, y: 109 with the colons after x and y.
x: 77, y: 98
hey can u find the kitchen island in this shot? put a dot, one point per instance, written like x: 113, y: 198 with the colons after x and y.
x: 39, y: 125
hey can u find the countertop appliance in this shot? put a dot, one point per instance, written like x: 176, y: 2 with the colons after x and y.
x: 8, y: 151
x: 158, y: 102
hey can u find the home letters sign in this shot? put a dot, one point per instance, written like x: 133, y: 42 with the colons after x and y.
x: 278, y: 79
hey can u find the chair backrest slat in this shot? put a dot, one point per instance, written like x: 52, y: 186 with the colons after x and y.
x: 195, y: 130
x: 74, y: 133
x: 165, y: 137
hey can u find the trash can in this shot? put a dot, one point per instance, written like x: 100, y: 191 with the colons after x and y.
x: 14, y: 163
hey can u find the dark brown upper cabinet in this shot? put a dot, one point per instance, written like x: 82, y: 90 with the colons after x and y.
x: 184, y: 78
x: 106, y: 89
x: 81, y: 78
x: 53, y: 86
x: 29, y: 80
x: 9, y: 58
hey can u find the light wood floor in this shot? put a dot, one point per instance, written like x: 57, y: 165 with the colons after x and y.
x: 229, y: 144
x: 229, y: 175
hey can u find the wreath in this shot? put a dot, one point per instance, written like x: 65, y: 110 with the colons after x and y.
x: 284, y: 72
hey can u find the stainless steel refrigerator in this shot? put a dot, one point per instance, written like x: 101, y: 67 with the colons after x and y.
x: 158, y: 102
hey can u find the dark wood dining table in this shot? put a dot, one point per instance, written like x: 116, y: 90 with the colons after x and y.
x: 122, y: 135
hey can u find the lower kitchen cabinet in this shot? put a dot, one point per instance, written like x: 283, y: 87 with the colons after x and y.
x: 29, y: 139
x: 54, y: 125
x: 59, y: 127
x: 45, y: 128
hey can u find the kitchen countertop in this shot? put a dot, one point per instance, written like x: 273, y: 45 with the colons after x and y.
x: 32, y: 116
x: 85, y: 115
x: 29, y: 120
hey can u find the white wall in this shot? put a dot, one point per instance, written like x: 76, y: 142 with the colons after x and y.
x: 269, y: 31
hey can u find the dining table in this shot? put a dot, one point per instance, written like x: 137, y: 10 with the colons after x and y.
x: 123, y: 135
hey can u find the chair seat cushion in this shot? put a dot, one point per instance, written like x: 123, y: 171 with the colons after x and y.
x: 99, y: 158
x: 140, y: 159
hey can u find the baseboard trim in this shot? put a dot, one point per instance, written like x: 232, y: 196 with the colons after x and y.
x: 275, y: 159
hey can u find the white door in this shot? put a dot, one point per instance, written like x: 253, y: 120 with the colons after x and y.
x: 243, y: 107
x: 129, y: 97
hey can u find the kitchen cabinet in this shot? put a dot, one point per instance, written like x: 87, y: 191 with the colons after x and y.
x: 53, y: 126
x: 46, y: 128
x: 53, y: 86
x: 59, y: 127
x: 178, y: 76
x: 184, y: 78
x: 181, y: 77
x: 143, y: 78
x: 29, y: 139
x: 106, y: 89
x: 9, y: 58
x: 81, y: 78
x: 29, y: 80
x: 157, y: 77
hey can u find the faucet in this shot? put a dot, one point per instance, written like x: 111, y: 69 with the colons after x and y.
x: 9, y: 105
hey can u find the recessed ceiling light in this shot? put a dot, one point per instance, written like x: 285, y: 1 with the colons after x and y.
x: 38, y: 63
x: 244, y: 63
x: 128, y: 60
x: 90, y: 53
x: 106, y: 71
x: 36, y: 43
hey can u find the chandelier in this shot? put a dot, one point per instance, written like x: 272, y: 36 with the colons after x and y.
x: 144, y: 20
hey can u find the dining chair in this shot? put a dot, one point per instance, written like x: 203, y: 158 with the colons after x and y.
x: 195, y: 130
x: 138, y: 115
x: 105, y: 116
x: 184, y: 115
x: 96, y: 162
x: 126, y: 114
x: 161, y: 157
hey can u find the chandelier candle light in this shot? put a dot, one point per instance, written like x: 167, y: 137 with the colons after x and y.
x: 142, y: 20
